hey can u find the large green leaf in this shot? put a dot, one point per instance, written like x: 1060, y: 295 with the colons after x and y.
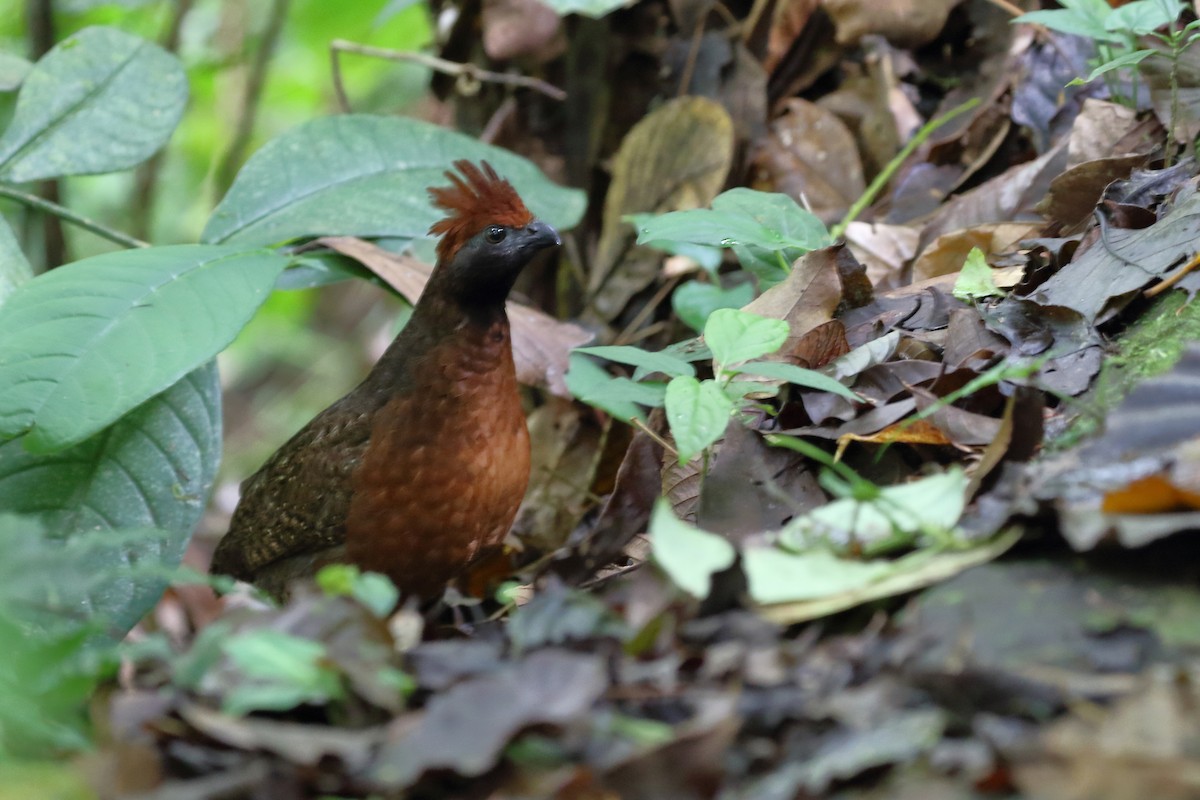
x: 82, y: 345
x: 100, y: 101
x: 364, y: 175
x: 13, y: 70
x: 14, y: 267
x: 151, y: 471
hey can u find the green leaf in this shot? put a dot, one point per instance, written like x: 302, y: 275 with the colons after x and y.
x: 735, y: 336
x: 588, y: 8
x: 1125, y: 60
x: 100, y: 101
x: 975, y: 279
x: 898, y: 516
x: 687, y: 554
x: 46, y: 678
x: 784, y: 589
x: 689, y: 350
x: 709, y: 258
x: 637, y: 357
x: 151, y: 470
x: 374, y: 591
x: 799, y: 376
x: 14, y: 267
x: 1143, y: 17
x: 707, y: 227
x: 79, y: 583
x: 267, y: 653
x: 361, y: 175
x: 694, y: 301
x: 740, y: 217
x: 776, y: 577
x: 83, y: 344
x: 13, y: 70
x: 779, y: 213
x: 697, y: 412
x: 284, y: 671
x: 1073, y: 22
x: 769, y: 266
x: 620, y: 397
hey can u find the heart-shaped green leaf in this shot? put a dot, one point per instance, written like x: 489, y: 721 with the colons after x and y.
x: 736, y: 336
x: 697, y: 412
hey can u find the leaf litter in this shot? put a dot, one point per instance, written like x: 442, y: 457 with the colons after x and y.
x: 922, y: 585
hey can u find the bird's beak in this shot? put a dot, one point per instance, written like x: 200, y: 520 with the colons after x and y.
x: 540, y: 235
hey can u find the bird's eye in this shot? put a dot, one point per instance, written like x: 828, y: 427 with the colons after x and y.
x: 495, y: 234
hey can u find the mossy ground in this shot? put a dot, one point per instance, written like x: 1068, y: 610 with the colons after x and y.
x: 1149, y: 346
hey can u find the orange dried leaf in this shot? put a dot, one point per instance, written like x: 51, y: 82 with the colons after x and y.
x: 1150, y: 495
x: 920, y: 432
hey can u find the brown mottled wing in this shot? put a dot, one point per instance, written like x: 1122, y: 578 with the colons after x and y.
x: 297, y: 502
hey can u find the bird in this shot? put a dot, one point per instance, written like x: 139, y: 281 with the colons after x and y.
x: 418, y: 471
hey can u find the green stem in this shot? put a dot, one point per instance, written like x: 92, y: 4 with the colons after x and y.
x: 888, y: 171
x: 67, y: 215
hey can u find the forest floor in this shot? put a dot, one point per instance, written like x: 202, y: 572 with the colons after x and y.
x: 974, y: 577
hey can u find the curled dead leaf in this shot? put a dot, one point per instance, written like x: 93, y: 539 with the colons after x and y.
x: 541, y: 344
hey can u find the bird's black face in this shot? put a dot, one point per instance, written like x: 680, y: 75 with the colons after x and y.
x: 485, y: 268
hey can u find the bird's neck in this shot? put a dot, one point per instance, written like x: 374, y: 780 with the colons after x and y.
x: 479, y: 330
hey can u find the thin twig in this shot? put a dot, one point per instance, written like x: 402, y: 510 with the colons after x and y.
x: 1011, y: 8
x: 339, y: 87
x: 67, y: 215
x: 499, y: 119
x: 756, y: 12
x: 885, y: 175
x: 689, y: 66
x: 663, y: 443
x: 647, y: 310
x: 254, y: 86
x: 39, y: 20
x: 468, y: 71
x: 1173, y: 278
x: 145, y: 180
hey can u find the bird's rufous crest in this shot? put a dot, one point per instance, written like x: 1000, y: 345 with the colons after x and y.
x: 483, y: 199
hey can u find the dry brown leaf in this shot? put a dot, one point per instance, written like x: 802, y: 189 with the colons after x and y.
x: 905, y: 23
x: 820, y: 345
x: 1097, y: 130
x: 882, y: 249
x: 806, y: 298
x: 948, y: 252
x: 1073, y: 195
x: 1149, y: 495
x: 791, y: 17
x: 920, y: 431
x: 564, y: 459
x: 674, y: 158
x: 541, y: 344
x: 1144, y: 746
x: 1009, y: 197
x: 811, y: 156
x: 516, y: 28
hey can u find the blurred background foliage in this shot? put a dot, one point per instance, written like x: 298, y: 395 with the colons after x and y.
x: 305, y: 348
